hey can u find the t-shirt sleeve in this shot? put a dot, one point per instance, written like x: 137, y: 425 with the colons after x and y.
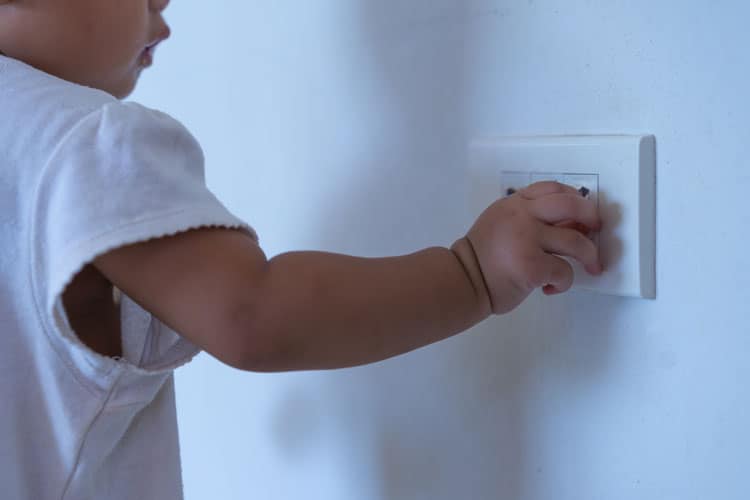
x: 124, y: 173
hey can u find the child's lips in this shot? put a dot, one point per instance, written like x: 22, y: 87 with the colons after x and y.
x: 147, y: 56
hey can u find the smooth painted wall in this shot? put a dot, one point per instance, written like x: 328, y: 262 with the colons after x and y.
x: 343, y: 125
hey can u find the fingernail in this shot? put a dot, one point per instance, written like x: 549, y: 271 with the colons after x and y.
x: 596, y: 269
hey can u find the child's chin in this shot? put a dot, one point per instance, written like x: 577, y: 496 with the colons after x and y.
x: 125, y: 89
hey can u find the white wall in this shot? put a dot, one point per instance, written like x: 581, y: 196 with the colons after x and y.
x: 342, y: 125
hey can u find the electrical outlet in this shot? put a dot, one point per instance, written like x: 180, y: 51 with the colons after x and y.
x: 617, y: 172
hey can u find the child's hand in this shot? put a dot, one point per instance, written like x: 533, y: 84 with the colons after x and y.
x: 515, y: 237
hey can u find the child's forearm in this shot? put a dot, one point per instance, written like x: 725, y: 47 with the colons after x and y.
x: 324, y: 310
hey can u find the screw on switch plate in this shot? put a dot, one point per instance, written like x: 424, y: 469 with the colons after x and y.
x: 512, y: 182
x: 586, y: 184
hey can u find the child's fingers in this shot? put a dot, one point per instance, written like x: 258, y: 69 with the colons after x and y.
x: 556, y: 274
x: 576, y: 226
x: 571, y: 243
x: 544, y: 188
x: 560, y: 207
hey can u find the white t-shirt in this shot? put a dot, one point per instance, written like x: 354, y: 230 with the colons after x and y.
x: 82, y: 173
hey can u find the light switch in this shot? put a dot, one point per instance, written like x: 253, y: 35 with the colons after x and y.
x: 586, y: 184
x: 616, y: 171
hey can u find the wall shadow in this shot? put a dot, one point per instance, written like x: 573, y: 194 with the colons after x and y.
x: 457, y: 419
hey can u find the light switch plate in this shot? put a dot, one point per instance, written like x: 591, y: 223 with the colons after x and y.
x: 623, y: 168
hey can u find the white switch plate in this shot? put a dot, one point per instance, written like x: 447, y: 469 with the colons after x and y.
x: 624, y: 167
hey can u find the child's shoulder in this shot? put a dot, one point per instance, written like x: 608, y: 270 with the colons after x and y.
x: 29, y: 93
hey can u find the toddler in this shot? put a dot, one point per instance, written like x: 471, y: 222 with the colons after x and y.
x: 119, y: 265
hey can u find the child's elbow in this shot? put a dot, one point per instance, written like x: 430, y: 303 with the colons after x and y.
x: 254, y: 347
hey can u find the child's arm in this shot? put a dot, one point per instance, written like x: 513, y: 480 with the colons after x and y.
x: 322, y: 310
x: 313, y: 310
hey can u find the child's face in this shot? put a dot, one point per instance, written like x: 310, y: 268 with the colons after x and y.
x: 97, y: 43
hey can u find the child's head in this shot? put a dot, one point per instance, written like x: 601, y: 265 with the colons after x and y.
x: 97, y: 43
